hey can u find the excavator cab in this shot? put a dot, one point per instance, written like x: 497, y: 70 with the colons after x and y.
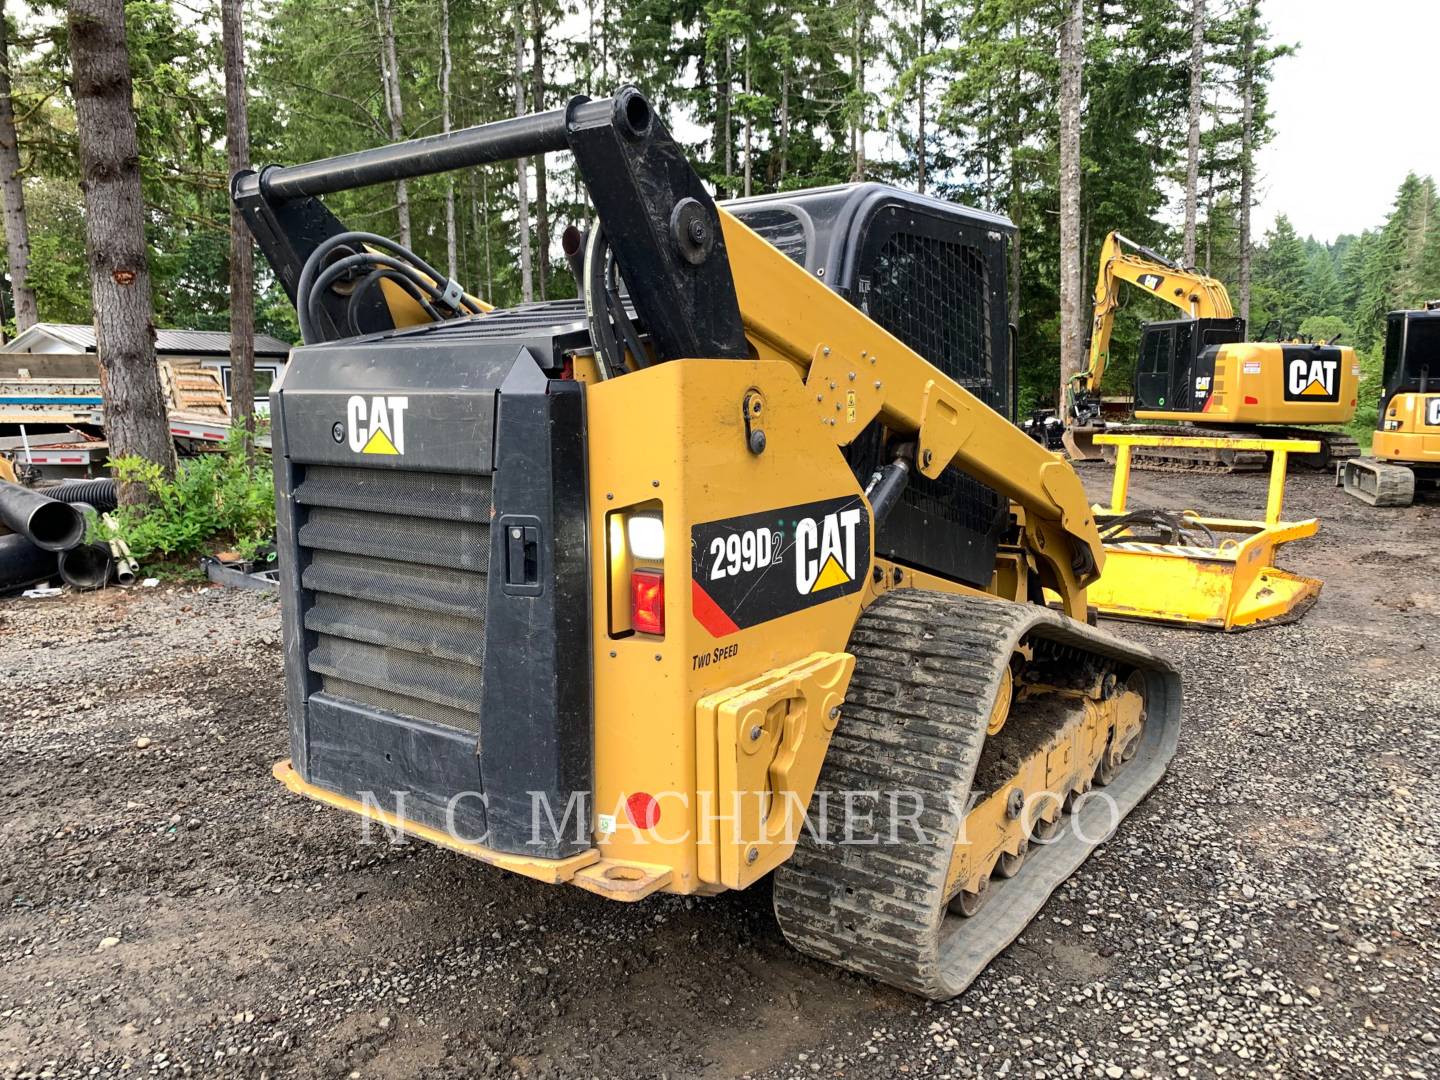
x: 1412, y: 359
x: 1406, y: 448
x: 1176, y: 369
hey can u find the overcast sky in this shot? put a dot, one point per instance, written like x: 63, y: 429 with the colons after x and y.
x: 1354, y: 111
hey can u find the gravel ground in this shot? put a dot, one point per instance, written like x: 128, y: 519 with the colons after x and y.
x: 1270, y: 910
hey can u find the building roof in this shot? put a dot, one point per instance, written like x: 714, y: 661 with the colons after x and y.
x: 167, y: 342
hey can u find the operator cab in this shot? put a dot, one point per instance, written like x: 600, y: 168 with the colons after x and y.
x: 933, y: 274
x: 1412, y: 352
x: 1177, y: 362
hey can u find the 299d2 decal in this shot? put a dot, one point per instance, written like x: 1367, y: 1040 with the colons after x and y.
x: 751, y: 569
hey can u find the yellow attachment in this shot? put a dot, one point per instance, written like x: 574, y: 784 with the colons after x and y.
x: 1279, y: 449
x: 1231, y: 585
x: 759, y: 748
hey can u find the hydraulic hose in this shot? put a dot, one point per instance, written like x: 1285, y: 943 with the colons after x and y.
x: 370, y: 252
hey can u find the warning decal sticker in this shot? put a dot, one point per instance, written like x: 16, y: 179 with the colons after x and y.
x: 751, y: 569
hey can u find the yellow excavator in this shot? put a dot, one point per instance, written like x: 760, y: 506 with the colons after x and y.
x: 717, y: 572
x: 1201, y: 374
x: 1406, y: 450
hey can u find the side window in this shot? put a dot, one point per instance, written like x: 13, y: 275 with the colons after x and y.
x: 933, y: 294
x: 780, y: 229
x: 1152, y: 350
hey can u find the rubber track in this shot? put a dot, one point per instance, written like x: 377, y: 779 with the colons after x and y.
x: 928, y: 666
x: 1394, y: 485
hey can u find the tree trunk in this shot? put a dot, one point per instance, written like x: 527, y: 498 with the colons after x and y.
x: 1013, y: 209
x: 135, y: 415
x: 485, y: 232
x: 784, y: 121
x: 242, y: 267
x: 537, y: 103
x: 590, y: 51
x: 451, y: 260
x: 12, y: 194
x: 920, y: 87
x: 749, y: 120
x: 729, y: 129
x: 857, y: 75
x: 1192, y: 151
x: 1072, y: 317
x: 1247, y: 159
x: 522, y: 165
x: 394, y: 106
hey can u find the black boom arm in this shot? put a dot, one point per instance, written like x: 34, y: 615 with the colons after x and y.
x: 660, y: 222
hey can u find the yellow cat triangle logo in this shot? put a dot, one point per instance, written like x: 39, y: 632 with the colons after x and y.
x: 1316, y: 389
x: 831, y: 574
x: 379, y: 444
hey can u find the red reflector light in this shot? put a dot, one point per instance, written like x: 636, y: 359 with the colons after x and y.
x: 647, y: 601
x: 643, y: 810
x: 1251, y: 400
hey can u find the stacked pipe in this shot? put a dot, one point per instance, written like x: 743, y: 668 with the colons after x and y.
x: 49, y: 532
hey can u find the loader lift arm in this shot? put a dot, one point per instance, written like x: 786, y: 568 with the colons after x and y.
x: 858, y: 372
x: 1122, y: 260
x: 706, y: 286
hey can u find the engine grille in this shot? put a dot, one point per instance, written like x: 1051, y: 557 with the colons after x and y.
x: 396, y: 573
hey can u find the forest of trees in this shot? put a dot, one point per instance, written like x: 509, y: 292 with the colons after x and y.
x: 958, y: 98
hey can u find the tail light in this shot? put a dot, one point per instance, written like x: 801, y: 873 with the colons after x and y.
x: 1250, y: 399
x: 647, y: 601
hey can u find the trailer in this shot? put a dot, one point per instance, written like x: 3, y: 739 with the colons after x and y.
x: 52, y: 413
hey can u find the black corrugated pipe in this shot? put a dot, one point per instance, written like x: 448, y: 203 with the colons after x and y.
x: 87, y: 566
x: 22, y: 563
x: 45, y: 522
x: 102, y: 494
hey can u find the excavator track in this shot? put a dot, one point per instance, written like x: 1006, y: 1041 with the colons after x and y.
x: 1335, y: 447
x: 928, y: 713
x: 1377, y: 482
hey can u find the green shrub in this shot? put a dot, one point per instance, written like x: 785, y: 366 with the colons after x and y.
x: 1367, y: 412
x: 215, y: 502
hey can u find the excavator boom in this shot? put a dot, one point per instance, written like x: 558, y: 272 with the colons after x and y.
x: 1122, y: 260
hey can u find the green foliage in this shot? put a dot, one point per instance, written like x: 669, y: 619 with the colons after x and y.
x: 1325, y: 328
x: 1280, y: 294
x: 216, y: 500
x: 789, y: 93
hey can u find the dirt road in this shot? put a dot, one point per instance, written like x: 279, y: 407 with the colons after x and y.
x: 169, y: 910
